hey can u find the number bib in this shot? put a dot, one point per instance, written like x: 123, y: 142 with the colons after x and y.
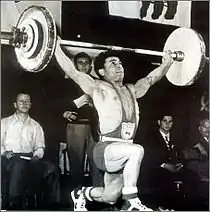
x: 127, y: 130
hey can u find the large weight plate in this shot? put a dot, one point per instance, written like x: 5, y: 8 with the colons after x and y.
x: 41, y: 30
x: 190, y: 42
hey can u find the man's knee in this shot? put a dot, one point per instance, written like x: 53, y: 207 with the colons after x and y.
x: 19, y: 166
x: 138, y: 150
x: 51, y: 169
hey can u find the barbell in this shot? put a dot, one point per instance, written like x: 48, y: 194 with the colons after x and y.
x: 34, y: 39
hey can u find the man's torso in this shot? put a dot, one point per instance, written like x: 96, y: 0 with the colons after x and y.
x: 114, y: 106
x: 19, y: 136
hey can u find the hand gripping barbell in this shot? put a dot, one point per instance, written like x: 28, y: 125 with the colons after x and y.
x: 34, y: 39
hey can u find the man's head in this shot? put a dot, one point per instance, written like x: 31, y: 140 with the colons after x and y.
x: 23, y: 103
x: 165, y: 123
x: 83, y: 62
x: 204, y: 128
x: 109, y: 67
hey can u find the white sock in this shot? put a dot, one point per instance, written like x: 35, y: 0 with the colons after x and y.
x: 87, y: 193
x: 129, y: 192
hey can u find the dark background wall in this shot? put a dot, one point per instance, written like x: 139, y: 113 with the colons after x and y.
x: 49, y: 90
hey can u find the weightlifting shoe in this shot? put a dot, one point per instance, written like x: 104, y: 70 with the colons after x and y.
x: 134, y: 205
x: 78, y: 199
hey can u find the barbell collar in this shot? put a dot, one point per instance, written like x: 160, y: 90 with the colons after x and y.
x: 16, y: 37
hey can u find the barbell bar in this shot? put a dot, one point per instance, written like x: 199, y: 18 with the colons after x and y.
x: 177, y: 55
x: 34, y: 39
x: 16, y: 34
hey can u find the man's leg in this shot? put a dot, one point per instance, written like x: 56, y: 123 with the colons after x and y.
x: 76, y: 138
x: 52, y: 179
x: 17, y: 171
x: 128, y: 157
x: 47, y: 174
x: 124, y: 156
x: 96, y: 174
x: 120, y: 156
x: 4, y: 183
x: 113, y: 184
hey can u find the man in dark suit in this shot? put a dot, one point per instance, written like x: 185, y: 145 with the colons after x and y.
x: 197, y: 157
x: 161, y: 149
x: 196, y: 162
x: 161, y: 165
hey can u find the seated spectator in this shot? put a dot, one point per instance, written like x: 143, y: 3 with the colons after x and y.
x: 197, y: 157
x: 162, y: 149
x: 196, y: 162
x: 161, y: 165
x: 23, y: 136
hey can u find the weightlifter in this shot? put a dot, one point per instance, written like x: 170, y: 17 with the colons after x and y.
x: 118, y: 111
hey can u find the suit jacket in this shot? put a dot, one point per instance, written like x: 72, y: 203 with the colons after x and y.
x: 157, y: 152
x: 195, y: 161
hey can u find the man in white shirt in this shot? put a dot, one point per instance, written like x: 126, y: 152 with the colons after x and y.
x: 22, y: 147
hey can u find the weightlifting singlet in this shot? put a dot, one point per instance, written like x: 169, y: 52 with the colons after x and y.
x: 126, y: 130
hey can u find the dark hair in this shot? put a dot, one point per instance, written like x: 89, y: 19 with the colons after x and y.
x: 21, y: 93
x: 82, y: 54
x: 100, y: 60
x: 161, y: 116
x: 202, y: 122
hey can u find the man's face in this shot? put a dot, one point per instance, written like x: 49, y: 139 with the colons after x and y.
x: 204, y: 129
x: 23, y: 103
x: 83, y: 65
x: 113, y: 70
x: 166, y: 124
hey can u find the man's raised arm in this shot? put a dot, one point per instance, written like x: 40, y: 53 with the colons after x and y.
x: 143, y: 85
x: 85, y: 82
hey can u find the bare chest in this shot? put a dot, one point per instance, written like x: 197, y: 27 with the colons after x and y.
x: 126, y: 100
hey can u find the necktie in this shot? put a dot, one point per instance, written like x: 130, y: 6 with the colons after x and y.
x: 168, y: 143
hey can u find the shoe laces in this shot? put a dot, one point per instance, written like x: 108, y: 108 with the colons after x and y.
x: 79, y: 192
x: 82, y: 201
